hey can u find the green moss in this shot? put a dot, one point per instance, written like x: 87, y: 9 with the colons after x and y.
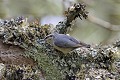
x: 44, y: 62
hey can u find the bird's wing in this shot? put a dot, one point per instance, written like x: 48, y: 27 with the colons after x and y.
x: 71, y: 38
x: 66, y: 43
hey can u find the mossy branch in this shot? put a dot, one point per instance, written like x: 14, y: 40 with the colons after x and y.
x: 55, y: 67
x: 75, y: 11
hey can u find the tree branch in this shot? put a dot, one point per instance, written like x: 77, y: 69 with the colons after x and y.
x: 103, y: 23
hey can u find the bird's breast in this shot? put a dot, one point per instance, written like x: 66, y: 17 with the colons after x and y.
x: 64, y: 50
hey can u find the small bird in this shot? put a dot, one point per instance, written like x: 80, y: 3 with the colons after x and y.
x: 64, y: 43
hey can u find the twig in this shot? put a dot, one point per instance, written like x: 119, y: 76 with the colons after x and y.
x: 75, y: 11
x: 103, y: 23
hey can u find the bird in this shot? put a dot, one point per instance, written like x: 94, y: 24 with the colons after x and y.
x: 64, y: 43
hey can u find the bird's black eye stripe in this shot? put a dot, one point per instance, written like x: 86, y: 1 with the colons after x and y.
x: 48, y: 37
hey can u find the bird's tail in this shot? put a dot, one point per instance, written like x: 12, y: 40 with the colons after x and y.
x: 85, y: 45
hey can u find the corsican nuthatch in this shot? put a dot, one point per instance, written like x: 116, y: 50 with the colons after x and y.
x: 64, y: 43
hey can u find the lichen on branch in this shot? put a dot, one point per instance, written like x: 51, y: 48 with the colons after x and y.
x: 55, y: 65
x: 73, y: 12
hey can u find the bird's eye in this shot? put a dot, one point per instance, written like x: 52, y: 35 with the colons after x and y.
x: 49, y: 36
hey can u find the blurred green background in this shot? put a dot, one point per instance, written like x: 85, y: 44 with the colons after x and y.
x: 51, y: 12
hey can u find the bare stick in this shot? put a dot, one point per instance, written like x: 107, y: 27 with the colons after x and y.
x: 103, y: 23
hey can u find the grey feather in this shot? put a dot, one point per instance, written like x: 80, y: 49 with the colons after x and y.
x: 65, y: 41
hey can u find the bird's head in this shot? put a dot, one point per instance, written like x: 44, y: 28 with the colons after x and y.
x: 49, y: 38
